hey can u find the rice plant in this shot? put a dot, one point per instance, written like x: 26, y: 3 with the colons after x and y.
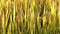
x: 29, y: 16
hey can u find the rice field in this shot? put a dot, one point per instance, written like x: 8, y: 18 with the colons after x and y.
x: 29, y: 16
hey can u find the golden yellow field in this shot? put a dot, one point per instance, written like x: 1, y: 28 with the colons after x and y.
x: 29, y: 16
